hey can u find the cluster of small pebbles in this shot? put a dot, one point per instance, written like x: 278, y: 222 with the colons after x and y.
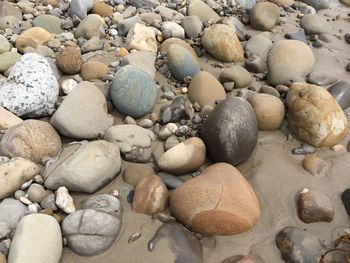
x: 172, y: 96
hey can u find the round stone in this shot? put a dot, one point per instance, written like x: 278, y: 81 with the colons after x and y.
x: 264, y: 16
x: 315, y: 24
x: 69, y: 61
x: 48, y: 22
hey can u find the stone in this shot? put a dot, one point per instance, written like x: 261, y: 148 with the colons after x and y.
x: 69, y: 61
x: 181, y: 63
x: 345, y: 197
x: 168, y: 14
x: 237, y: 74
x: 230, y: 131
x: 90, y: 26
x: 92, y: 44
x: 298, y: 35
x: 90, y: 232
x: 32, y: 37
x: 133, y: 91
x: 202, y: 11
x: 50, y: 23
x: 71, y: 120
x: 127, y: 23
x: 134, y: 141
x: 11, y: 211
x: 145, y: 4
x: 222, y: 43
x: 2, y: 258
x: 105, y: 203
x: 31, y: 139
x: 321, y: 79
x: 259, y: 45
x: 179, y: 109
x: 8, y: 119
x: 49, y: 202
x: 297, y: 245
x: 238, y: 259
x: 192, y: 25
x: 36, y: 193
x: 30, y: 93
x: 37, y: 239
x: 205, y: 89
x: 315, y: 165
x: 151, y: 196
x: 4, y: 44
x: 102, y: 9
x: 93, y: 70
x: 64, y: 201
x: 141, y: 37
x: 314, y: 115
x: 164, y: 47
x: 5, y: 230
x: 255, y: 64
x: 314, y: 206
x: 171, y: 29
x: 269, y: 111
x: 318, y: 4
x: 143, y: 60
x: 247, y: 4
x: 345, y: 2
x: 10, y: 9
x: 315, y: 24
x: 289, y: 61
x: 135, y: 172
x: 14, y: 173
x: 270, y: 90
x: 341, y: 93
x: 78, y: 166
x: 150, y: 18
x: 7, y: 60
x: 171, y: 181
x: 183, y: 158
x: 81, y: 7
x: 264, y: 16
x: 184, y: 244
x: 212, y: 203
x: 282, y: 2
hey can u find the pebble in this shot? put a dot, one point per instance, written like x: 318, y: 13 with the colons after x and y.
x: 321, y: 79
x: 179, y: 109
x: 69, y: 61
x: 7, y: 60
x: 135, y: 172
x: 141, y: 37
x: 93, y: 44
x: 270, y: 91
x: 345, y: 197
x: 90, y: 26
x: 315, y: 165
x: 204, y: 12
x: 49, y: 202
x: 32, y: 37
x: 192, y: 25
x: 341, y: 93
x: 238, y: 259
x: 68, y: 85
x: 81, y: 7
x: 4, y: 44
x: 36, y: 193
x: 318, y: 4
x: 238, y: 75
x: 171, y: 181
x: 106, y: 203
x: 315, y: 24
x: 93, y: 70
x: 50, y: 23
x: 171, y: 29
x: 264, y: 16
x: 64, y: 201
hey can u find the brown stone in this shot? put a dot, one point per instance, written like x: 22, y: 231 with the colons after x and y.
x: 135, y: 172
x: 69, y: 61
x: 101, y: 9
x: 218, y: 202
x: 122, y: 52
x: 314, y: 115
x: 151, y: 196
x: 8, y: 119
x: 2, y: 258
x: 315, y: 165
x: 93, y: 70
x: 32, y: 37
x: 205, y: 89
x: 32, y: 140
x: 238, y: 259
x: 163, y: 49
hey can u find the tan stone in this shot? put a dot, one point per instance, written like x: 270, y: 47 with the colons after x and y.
x: 314, y: 115
x: 282, y: 2
x: 53, y: 3
x: 93, y: 70
x: 315, y: 165
x: 218, y: 202
x: 222, y: 43
x: 122, y: 52
x: 101, y: 9
x: 141, y: 37
x: 184, y: 157
x: 202, y: 11
x: 238, y: 259
x: 2, y: 258
x: 163, y: 49
x: 69, y: 61
x: 205, y: 89
x: 32, y: 38
x: 151, y: 196
x: 31, y: 139
x: 269, y: 111
x: 264, y: 16
x: 135, y: 172
x: 8, y: 119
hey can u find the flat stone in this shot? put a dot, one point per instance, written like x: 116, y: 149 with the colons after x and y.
x: 321, y: 79
x: 50, y: 23
x: 341, y: 93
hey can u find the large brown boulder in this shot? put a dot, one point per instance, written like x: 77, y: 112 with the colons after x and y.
x: 218, y: 202
x: 314, y: 115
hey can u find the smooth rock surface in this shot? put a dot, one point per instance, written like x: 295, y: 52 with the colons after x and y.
x: 264, y: 16
x: 8, y: 119
x: 11, y: 211
x: 105, y: 203
x: 141, y: 37
x: 202, y: 11
x: 237, y: 74
x: 32, y: 37
x: 341, y: 93
x: 315, y: 24
x: 135, y: 172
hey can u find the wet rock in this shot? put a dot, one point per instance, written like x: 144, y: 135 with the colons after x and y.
x: 135, y: 172
x: 237, y: 74
x: 30, y: 93
x: 151, y: 196
x: 314, y: 116
x: 230, y: 132
x: 297, y: 245
x: 8, y: 119
x: 81, y: 7
x: 32, y: 37
x: 321, y: 79
x: 202, y: 11
x: 193, y: 26
x: 269, y: 111
x: 37, y: 239
x: 93, y: 70
x: 50, y: 23
x: 11, y: 211
x: 264, y: 16
x: 78, y: 166
x: 71, y: 118
x: 345, y: 197
x: 315, y: 165
x: 64, y: 201
x: 90, y: 232
x: 314, y: 206
x: 222, y: 43
x: 14, y: 173
x: 341, y: 93
x: 104, y: 203
x: 141, y: 37
x: 182, y: 242
x: 205, y: 89
x: 181, y: 63
x: 69, y: 61
x: 133, y: 91
x: 31, y: 139
x: 216, y: 214
x: 178, y: 110
x: 36, y: 193
x: 90, y: 26
x: 171, y: 181
x: 183, y: 158
x: 315, y: 24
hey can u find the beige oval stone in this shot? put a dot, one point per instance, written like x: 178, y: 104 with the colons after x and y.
x: 93, y: 70
x: 31, y: 139
x: 135, y: 172
x: 314, y: 115
x: 205, y: 89
x: 315, y: 165
x: 218, y: 202
x: 151, y: 196
x: 184, y: 157
x: 32, y: 38
x: 269, y: 111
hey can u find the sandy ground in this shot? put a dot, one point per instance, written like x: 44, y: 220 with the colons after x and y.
x: 274, y: 173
